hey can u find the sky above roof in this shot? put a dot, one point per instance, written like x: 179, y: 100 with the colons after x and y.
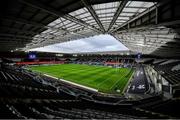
x: 99, y: 43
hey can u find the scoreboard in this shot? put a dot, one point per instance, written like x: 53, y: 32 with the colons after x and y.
x: 32, y: 55
x: 139, y: 55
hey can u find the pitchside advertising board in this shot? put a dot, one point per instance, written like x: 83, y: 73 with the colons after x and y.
x: 32, y: 56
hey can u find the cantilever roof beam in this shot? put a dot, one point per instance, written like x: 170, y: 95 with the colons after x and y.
x: 15, y: 36
x: 31, y: 23
x: 118, y: 12
x: 93, y: 13
x: 138, y: 16
x: 38, y: 5
x: 22, y: 21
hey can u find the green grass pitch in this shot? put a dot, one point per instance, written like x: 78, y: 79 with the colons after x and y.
x: 104, y: 79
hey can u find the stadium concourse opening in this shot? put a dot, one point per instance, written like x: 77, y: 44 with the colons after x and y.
x: 90, y: 59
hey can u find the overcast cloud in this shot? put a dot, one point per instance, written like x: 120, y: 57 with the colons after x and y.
x: 100, y: 43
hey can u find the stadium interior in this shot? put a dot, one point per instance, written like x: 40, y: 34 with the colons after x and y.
x: 142, y: 82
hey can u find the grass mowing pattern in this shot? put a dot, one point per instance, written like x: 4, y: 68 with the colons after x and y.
x: 105, y: 79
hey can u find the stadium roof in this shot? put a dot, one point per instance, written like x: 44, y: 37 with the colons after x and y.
x: 27, y: 24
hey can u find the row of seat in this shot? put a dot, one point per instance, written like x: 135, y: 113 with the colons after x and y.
x: 166, y: 70
x: 17, y: 93
x: 21, y: 79
x: 57, y: 110
x: 168, y: 107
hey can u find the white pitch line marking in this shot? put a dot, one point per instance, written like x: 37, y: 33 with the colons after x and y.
x: 73, y: 83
